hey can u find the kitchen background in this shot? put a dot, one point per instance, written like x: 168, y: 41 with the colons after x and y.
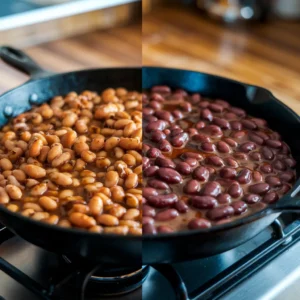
x: 252, y: 41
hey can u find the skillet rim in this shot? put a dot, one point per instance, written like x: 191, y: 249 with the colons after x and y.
x: 162, y: 236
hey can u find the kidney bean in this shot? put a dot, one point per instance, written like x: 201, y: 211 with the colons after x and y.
x: 200, y: 125
x: 215, y: 160
x: 256, y: 156
x: 238, y: 134
x: 148, y: 211
x: 192, y: 187
x: 165, y: 146
x: 147, y: 111
x: 155, y: 105
x: 290, y: 162
x: 231, y: 162
x: 164, y: 162
x: 286, y: 176
x: 167, y: 215
x: 195, y: 98
x: 279, y: 165
x: 206, y: 115
x: 164, y: 115
x: 255, y: 138
x: 247, y: 147
x: 150, y: 171
x: 249, y: 124
x: 223, y: 147
x: 235, y: 190
x: 256, y: 176
x: 251, y: 198
x: 223, y: 103
x: 224, y: 199
x: 149, y: 229
x: 228, y: 173
x: 267, y: 153
x: 239, y: 207
x: 230, y: 116
x: 220, y: 212
x: 177, y: 114
x: 244, y: 176
x: 183, y: 168
x: 201, y: 173
x: 161, y: 201
x: 201, y: 138
x: 192, y: 162
x: 208, y: 147
x: 236, y: 125
x: 164, y: 229
x: 180, y: 139
x: 285, y: 148
x: 147, y: 220
x: 238, y: 111
x: 206, y: 202
x: 259, y: 188
x: 224, y: 124
x: 153, y: 153
x: 213, y: 130
x: 199, y: 223
x: 194, y: 155
x: 285, y: 188
x: 266, y: 168
x: 274, y: 144
x: 169, y: 175
x: 212, y: 188
x: 240, y: 156
x: 270, y: 197
x: 157, y: 136
x: 148, y: 192
x: 231, y: 142
x: 145, y: 162
x: 176, y: 131
x: 215, y: 107
x: 203, y: 104
x: 161, y: 89
x: 156, y: 125
x: 273, y: 181
x: 259, y: 122
x: 181, y: 206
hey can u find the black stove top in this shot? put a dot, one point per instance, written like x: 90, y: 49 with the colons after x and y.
x: 49, y: 276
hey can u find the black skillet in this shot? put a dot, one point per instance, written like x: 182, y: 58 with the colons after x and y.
x: 162, y: 248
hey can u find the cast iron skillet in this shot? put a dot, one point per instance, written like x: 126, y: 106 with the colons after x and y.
x: 148, y: 249
x: 110, y: 249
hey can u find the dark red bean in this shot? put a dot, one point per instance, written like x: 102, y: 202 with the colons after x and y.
x: 155, y: 105
x: 157, y: 97
x: 208, y: 147
x: 256, y: 156
x: 157, y: 136
x: 256, y: 176
x: 223, y: 103
x: 199, y: 223
x: 249, y: 124
x: 247, y: 147
x: 259, y: 188
x: 229, y: 173
x: 290, y: 162
x: 231, y: 162
x: 156, y: 125
x: 206, y: 202
x: 183, y: 168
x: 164, y: 115
x: 238, y: 134
x: 244, y: 176
x: 163, y: 89
x: 286, y: 176
x: 223, y: 147
x: 195, y: 98
x: 216, y: 107
x: 192, y: 131
x: 165, y: 146
x: 201, y: 138
x: 224, y: 199
x: 150, y: 171
x: 167, y: 215
x: 203, y: 104
x: 220, y: 212
x: 201, y: 173
x: 213, y: 130
x: 212, y: 188
x: 147, y: 220
x: 251, y: 198
x: 285, y: 148
x: 164, y: 229
x: 270, y: 197
x: 231, y: 142
x: 186, y: 106
x: 256, y: 138
x: 273, y: 181
x: 285, y: 188
x: 263, y: 135
x: 158, y: 184
x: 274, y: 144
x: 238, y: 111
x: 181, y: 206
x: 206, y: 115
x: 147, y: 111
x: 169, y: 175
x: 226, y: 182
x: 224, y: 124
x: 192, y: 162
x: 267, y: 153
x: 148, y: 211
x: 200, y: 125
x: 161, y: 201
x: 236, y: 125
x: 145, y: 162
x: 148, y: 192
x: 266, y: 168
x: 164, y: 162
x: 235, y: 190
x: 181, y: 92
x: 239, y: 207
x: 153, y: 153
x: 180, y: 139
x: 177, y: 114
x: 149, y: 229
x: 230, y: 116
x: 240, y: 156
x: 215, y: 161
x: 192, y: 187
x: 279, y: 165
x: 259, y: 122
x: 275, y: 136
x: 194, y: 155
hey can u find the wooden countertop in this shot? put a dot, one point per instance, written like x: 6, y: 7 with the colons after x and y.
x: 110, y: 48
x: 263, y: 54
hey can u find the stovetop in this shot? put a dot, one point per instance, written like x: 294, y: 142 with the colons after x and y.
x: 265, y: 268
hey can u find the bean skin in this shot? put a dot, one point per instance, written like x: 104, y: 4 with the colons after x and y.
x: 239, y: 207
x: 219, y: 213
x: 164, y: 162
x: 148, y: 211
x: 251, y: 198
x: 149, y: 229
x: 206, y: 202
x: 235, y: 190
x: 259, y: 188
x: 169, y: 175
x: 157, y: 184
x: 164, y: 229
x: 224, y: 199
x: 270, y: 197
x: 183, y: 168
x: 228, y: 173
x: 244, y: 176
x: 212, y: 188
x: 161, y: 201
x: 199, y: 223
x: 181, y: 206
x: 192, y: 187
x: 167, y: 215
x: 201, y: 173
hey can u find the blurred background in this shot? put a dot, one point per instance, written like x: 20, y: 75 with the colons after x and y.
x: 65, y: 35
x: 255, y: 41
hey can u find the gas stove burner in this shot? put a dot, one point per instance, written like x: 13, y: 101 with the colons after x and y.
x: 112, y: 281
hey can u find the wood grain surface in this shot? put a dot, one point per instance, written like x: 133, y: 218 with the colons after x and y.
x: 267, y: 55
x: 110, y: 48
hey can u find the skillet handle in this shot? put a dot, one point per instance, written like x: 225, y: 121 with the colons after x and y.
x: 290, y: 202
x: 21, y: 61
